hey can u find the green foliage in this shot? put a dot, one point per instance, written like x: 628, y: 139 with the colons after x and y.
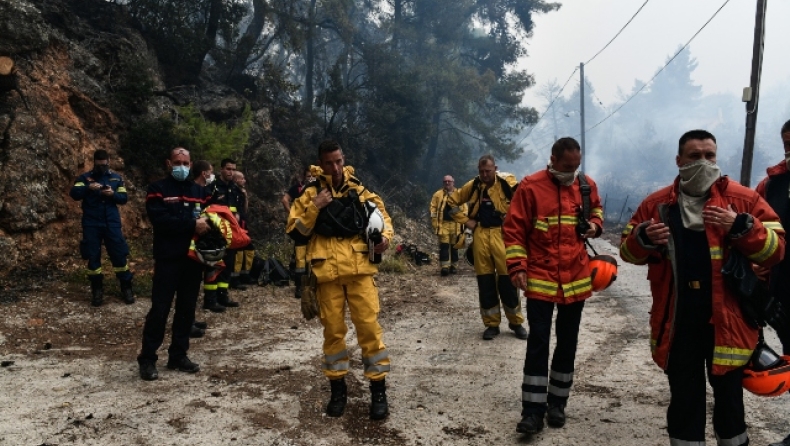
x: 209, y: 140
x: 395, y: 264
x: 146, y: 145
x: 132, y: 82
x: 280, y: 247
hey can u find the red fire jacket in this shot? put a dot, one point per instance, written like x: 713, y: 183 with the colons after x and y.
x: 763, y: 243
x: 541, y: 240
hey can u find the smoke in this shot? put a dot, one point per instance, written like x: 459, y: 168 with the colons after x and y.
x: 632, y: 152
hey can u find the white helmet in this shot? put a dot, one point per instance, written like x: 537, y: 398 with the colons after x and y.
x: 375, y: 219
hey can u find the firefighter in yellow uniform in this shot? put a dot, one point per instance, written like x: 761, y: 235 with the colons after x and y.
x: 447, y: 229
x: 339, y: 258
x: 488, y: 197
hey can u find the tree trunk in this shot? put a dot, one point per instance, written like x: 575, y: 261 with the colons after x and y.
x: 433, y: 145
x: 309, y: 92
x: 250, y: 38
x: 397, y: 18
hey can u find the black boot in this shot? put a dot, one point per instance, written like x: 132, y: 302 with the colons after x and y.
x: 97, y: 292
x: 210, y: 301
x: 379, y: 409
x: 127, y: 295
x: 224, y: 299
x: 337, y: 401
x: 298, y: 283
x: 235, y: 283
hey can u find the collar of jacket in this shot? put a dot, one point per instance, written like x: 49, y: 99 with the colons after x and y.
x: 777, y: 169
x: 716, y: 190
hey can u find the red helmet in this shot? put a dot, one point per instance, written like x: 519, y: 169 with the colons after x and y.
x: 603, y: 271
x: 767, y: 374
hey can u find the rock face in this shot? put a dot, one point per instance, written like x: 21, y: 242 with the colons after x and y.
x: 66, y: 54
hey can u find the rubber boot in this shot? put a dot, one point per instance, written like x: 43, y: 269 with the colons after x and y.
x: 127, y: 295
x: 97, y: 292
x: 235, y: 283
x: 224, y: 299
x: 210, y: 302
x: 298, y: 282
x: 379, y: 409
x: 337, y: 401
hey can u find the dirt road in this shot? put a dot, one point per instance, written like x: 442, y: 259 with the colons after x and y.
x: 74, y: 379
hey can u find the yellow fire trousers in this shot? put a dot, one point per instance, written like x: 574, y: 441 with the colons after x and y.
x: 493, y: 282
x: 361, y: 296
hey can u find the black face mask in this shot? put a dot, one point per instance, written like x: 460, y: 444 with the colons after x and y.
x: 100, y: 169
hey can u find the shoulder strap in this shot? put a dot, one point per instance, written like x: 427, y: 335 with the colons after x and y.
x: 508, y: 191
x: 586, y: 190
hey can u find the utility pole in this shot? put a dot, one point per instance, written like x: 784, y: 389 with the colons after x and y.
x: 751, y: 95
x: 581, y: 109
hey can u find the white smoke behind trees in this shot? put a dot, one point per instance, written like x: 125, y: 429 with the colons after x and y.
x: 633, y: 152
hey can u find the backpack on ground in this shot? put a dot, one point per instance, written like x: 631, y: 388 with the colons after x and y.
x: 274, y: 273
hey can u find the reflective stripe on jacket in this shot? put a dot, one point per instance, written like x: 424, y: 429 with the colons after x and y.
x: 334, y: 257
x: 541, y: 240
x: 763, y: 243
x: 97, y: 209
x: 170, y: 205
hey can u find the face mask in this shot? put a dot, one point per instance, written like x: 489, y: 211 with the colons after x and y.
x: 100, y: 169
x: 210, y: 178
x: 565, y: 178
x: 787, y: 159
x: 696, y: 178
x: 180, y: 173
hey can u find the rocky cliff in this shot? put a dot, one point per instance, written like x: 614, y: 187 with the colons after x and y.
x: 67, y: 55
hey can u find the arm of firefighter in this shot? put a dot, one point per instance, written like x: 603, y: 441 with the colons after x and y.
x: 120, y: 196
x: 457, y: 200
x: 596, y: 210
x: 435, y: 201
x: 79, y: 189
x: 516, y: 231
x: 759, y: 235
x: 634, y: 245
x: 303, y: 213
x: 161, y: 217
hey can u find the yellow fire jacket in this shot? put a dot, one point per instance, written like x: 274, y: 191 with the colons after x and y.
x: 333, y: 257
x: 439, y: 202
x: 471, y: 193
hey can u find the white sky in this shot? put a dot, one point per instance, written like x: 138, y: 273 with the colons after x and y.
x: 564, y: 38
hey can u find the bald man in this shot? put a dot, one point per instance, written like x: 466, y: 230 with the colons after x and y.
x: 446, y: 229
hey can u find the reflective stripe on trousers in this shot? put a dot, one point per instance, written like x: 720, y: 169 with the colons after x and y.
x: 360, y: 294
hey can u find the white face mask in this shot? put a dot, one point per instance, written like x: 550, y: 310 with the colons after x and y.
x: 565, y: 178
x: 787, y: 159
x: 210, y: 178
x: 697, y: 178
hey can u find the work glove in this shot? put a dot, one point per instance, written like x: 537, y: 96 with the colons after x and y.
x: 309, y: 299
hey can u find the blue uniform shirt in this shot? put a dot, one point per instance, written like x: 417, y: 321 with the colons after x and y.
x: 97, y: 209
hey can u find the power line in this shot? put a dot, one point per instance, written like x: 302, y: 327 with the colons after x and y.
x: 577, y: 69
x: 662, y: 68
x: 618, y: 32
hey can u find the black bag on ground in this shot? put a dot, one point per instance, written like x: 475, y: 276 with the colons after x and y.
x: 274, y: 273
x: 257, y: 268
x: 418, y: 257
